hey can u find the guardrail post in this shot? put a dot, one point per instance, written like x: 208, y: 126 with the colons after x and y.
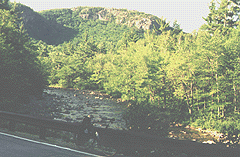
x: 42, y: 133
x: 11, y: 125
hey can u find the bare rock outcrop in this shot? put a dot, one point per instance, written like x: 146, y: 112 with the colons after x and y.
x: 130, y: 18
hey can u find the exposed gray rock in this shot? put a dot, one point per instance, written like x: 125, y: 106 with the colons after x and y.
x: 130, y: 18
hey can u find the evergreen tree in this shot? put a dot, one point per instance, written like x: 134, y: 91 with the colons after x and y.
x: 163, y: 26
x: 20, y: 71
x: 176, y: 27
x: 223, y: 17
x: 4, y: 4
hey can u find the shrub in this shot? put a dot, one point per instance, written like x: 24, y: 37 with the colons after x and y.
x: 147, y: 118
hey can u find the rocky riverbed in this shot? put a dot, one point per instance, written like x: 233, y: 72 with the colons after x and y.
x: 72, y: 105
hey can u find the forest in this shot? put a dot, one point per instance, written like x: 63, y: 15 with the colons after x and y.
x: 164, y: 74
x: 21, y: 73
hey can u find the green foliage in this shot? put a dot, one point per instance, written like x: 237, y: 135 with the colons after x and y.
x: 20, y: 71
x: 67, y: 63
x: 164, y: 74
x: 223, y: 17
x: 229, y: 126
x: 136, y: 73
x: 74, y: 23
x: 147, y: 118
x: 176, y: 27
x: 4, y: 4
x: 162, y: 25
x: 190, y: 75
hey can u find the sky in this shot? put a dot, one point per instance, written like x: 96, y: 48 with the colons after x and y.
x: 188, y: 13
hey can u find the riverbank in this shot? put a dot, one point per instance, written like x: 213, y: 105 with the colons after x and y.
x: 202, y: 136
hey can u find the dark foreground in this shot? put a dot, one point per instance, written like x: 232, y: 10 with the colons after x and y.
x: 11, y: 146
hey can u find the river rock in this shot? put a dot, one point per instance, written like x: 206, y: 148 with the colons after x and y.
x: 72, y: 105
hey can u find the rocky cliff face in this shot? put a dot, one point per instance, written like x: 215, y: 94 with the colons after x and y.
x: 120, y: 16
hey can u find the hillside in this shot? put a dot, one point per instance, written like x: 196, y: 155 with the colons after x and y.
x: 41, y: 28
x: 102, y: 24
x: 120, y: 16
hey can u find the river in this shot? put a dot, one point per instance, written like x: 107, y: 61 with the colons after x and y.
x: 72, y: 105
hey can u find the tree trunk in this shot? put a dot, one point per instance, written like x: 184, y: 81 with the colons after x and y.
x: 164, y: 98
x: 189, y: 107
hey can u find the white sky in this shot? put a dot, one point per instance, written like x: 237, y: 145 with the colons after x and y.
x: 188, y: 13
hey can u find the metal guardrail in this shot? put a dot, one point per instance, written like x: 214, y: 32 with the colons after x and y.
x: 122, y: 138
